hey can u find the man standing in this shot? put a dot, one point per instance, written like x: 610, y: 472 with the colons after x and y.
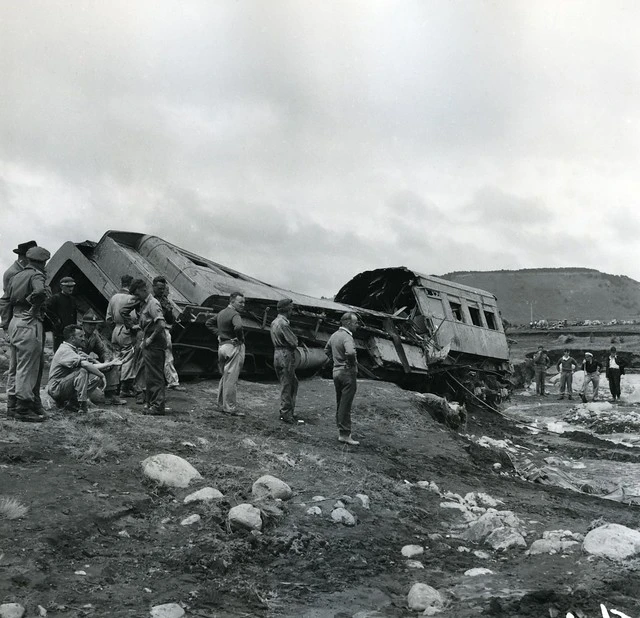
x: 69, y: 381
x: 341, y: 350
x: 27, y: 294
x: 93, y: 343
x: 285, y: 343
x: 160, y: 292
x: 20, y: 263
x: 591, y: 370
x: 231, y: 352
x: 152, y: 346
x: 566, y: 366
x: 540, y: 364
x: 123, y: 335
x: 62, y: 310
x: 614, y: 369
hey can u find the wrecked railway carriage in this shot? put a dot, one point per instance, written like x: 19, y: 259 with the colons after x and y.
x: 402, y: 346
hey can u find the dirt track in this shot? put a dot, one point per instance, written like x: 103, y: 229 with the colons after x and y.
x: 91, y: 510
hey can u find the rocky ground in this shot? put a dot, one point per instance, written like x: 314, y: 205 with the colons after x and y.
x: 431, y: 506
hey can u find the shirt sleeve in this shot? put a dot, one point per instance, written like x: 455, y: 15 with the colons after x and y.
x: 349, y: 348
x: 127, y: 310
x: 328, y: 351
x: 69, y: 359
x: 236, y: 320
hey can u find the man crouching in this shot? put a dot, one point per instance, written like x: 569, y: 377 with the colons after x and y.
x: 73, y: 375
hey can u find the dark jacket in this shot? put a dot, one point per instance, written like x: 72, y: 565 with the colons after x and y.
x: 619, y: 361
x: 592, y: 366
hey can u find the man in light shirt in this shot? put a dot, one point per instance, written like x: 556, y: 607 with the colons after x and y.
x: 614, y: 369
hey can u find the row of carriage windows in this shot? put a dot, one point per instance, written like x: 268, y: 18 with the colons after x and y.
x: 475, y: 314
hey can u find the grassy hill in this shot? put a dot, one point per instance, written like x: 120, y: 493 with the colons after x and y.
x: 557, y: 293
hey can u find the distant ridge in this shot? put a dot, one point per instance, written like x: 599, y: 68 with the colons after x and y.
x: 572, y: 293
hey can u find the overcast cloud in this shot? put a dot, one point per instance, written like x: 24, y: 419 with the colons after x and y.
x: 304, y: 142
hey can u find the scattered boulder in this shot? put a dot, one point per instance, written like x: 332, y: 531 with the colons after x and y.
x: 555, y: 542
x: 339, y: 505
x: 422, y: 596
x: 170, y: 470
x: 342, y: 516
x: 478, y: 571
x: 314, y: 510
x: 364, y: 500
x: 430, y: 485
x: 409, y: 551
x: 414, y: 564
x: 204, y: 495
x: 192, y: 519
x: 11, y: 610
x: 505, y: 538
x: 318, y: 499
x: 168, y: 610
x: 268, y: 486
x: 247, y: 516
x: 612, y: 541
x: 482, y: 527
x: 483, y: 555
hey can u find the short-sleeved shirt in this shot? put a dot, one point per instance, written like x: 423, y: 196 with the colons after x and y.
x: 67, y: 359
x: 229, y: 321
x: 150, y: 312
x: 342, y: 349
x: 282, y: 335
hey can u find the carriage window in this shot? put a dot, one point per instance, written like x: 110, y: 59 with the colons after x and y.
x: 456, y: 309
x: 491, y: 320
x: 475, y: 316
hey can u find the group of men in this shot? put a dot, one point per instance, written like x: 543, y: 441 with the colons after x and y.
x: 340, y: 350
x: 141, y: 366
x: 139, y: 361
x: 567, y: 366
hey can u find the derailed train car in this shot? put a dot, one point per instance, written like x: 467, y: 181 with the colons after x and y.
x: 463, y: 324
x: 408, y: 330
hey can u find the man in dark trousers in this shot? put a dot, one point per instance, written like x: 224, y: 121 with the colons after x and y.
x: 231, y: 351
x: 341, y: 350
x: 591, y: 368
x: 566, y: 366
x: 161, y: 293
x: 62, y: 310
x: 541, y: 363
x: 614, y: 368
x: 23, y: 312
x: 285, y: 343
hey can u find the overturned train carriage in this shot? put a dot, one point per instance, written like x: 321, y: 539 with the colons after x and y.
x: 459, y: 324
x: 389, y: 347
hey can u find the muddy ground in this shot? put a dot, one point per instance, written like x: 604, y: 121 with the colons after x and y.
x: 91, y: 510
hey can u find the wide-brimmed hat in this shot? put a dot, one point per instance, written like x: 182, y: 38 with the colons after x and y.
x: 90, y: 317
x: 23, y: 247
x: 588, y: 354
x: 38, y: 254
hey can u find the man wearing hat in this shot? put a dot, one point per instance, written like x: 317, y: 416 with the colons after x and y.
x: 27, y: 294
x: 20, y: 263
x: 96, y: 345
x: 285, y: 343
x: 591, y: 368
x: 62, y: 310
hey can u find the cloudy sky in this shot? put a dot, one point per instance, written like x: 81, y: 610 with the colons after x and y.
x: 304, y: 141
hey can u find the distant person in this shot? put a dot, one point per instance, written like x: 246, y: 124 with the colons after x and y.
x: 231, y: 351
x: 161, y: 293
x: 541, y: 363
x: 614, y: 369
x: 591, y: 368
x: 285, y: 342
x: 123, y: 336
x: 73, y: 376
x: 566, y: 366
x: 341, y: 350
x: 62, y: 310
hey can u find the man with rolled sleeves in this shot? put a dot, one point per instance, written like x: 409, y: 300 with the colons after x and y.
x: 341, y: 350
x: 19, y: 265
x: 231, y: 351
x: 123, y: 336
x: 94, y: 344
x: 27, y: 294
x: 285, y: 343
x: 152, y: 346
x: 62, y: 310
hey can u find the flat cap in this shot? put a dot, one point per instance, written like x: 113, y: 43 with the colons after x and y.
x: 90, y: 317
x: 38, y: 254
x: 23, y: 247
x: 284, y: 303
x: 67, y: 281
x: 588, y: 354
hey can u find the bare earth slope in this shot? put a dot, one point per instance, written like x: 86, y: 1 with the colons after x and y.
x: 557, y: 293
x: 91, y: 511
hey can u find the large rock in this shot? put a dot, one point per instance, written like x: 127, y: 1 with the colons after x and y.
x: 170, y: 470
x: 11, y: 610
x: 409, y: 551
x: 204, y: 495
x: 342, y: 516
x: 505, y: 538
x: 168, y: 610
x: 268, y: 486
x: 482, y: 527
x: 422, y: 597
x: 247, y: 516
x: 555, y: 542
x: 612, y: 541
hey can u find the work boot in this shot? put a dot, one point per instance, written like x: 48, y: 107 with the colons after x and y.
x: 233, y: 413
x: 140, y: 398
x: 24, y: 412
x: 112, y: 399
x: 12, y: 402
x: 584, y: 398
x: 561, y: 397
x: 288, y: 419
x: 127, y: 389
x: 348, y: 440
x: 154, y: 411
x: 569, y: 397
